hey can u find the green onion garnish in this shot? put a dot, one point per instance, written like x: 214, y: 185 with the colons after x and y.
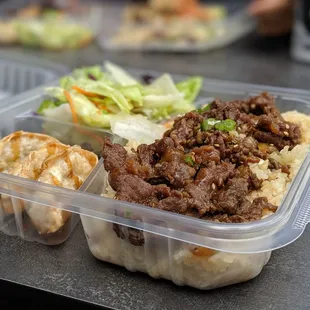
x: 205, y: 109
x: 189, y: 160
x: 226, y: 125
x: 209, y: 123
x: 229, y: 124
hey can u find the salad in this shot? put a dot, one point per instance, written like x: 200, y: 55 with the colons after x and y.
x: 46, y: 27
x: 170, y: 22
x: 113, y: 99
x: 52, y: 34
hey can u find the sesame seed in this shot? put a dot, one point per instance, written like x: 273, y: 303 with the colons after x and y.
x: 285, y: 133
x: 287, y: 126
x: 216, y: 145
x: 236, y: 145
x: 213, y: 186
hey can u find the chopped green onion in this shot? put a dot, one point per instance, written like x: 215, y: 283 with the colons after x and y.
x: 213, y: 121
x: 204, y: 109
x: 230, y: 124
x: 189, y: 160
x: 220, y: 126
x: 226, y: 125
x: 209, y: 123
x: 205, y: 125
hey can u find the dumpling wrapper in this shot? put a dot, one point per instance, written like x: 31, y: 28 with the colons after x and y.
x: 68, y: 169
x: 14, y: 152
x: 19, y: 145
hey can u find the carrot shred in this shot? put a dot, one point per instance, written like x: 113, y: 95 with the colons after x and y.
x: 70, y: 101
x: 76, y: 121
x: 86, y: 93
x: 100, y: 105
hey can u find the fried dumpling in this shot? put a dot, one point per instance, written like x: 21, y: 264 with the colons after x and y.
x: 19, y: 145
x: 44, y: 159
x: 68, y: 169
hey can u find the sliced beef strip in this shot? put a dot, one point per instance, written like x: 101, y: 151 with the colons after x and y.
x: 135, y: 236
x: 114, y: 155
x: 199, y: 173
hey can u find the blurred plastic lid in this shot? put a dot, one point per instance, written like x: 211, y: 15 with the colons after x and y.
x: 19, y: 73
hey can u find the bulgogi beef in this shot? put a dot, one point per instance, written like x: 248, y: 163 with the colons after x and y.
x: 200, y: 167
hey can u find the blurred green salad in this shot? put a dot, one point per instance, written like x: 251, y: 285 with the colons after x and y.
x: 97, y: 98
x: 52, y: 33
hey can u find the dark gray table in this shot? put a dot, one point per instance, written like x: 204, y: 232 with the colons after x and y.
x: 71, y: 270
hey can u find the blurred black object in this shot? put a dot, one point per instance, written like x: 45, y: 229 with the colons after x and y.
x: 14, y: 296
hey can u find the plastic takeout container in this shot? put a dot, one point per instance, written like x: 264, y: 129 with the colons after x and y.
x: 19, y: 75
x: 226, y: 31
x: 185, y: 250
x: 14, y: 217
x: 14, y: 211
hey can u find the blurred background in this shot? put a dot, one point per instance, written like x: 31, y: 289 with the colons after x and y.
x: 145, y: 33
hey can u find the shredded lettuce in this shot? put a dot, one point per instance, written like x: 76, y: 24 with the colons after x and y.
x: 92, y: 73
x: 164, y: 85
x: 88, y: 113
x: 61, y: 113
x: 53, y: 34
x: 99, y: 96
x: 137, y: 128
x: 56, y: 93
x: 102, y: 89
x: 190, y: 88
x: 47, y: 104
x: 119, y: 75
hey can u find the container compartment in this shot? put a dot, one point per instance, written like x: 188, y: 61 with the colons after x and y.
x: 15, y: 221
x: 163, y: 257
x: 193, y: 252
x: 158, y: 242
x: 30, y: 219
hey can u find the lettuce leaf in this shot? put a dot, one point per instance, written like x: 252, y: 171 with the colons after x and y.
x: 61, y: 113
x: 57, y: 93
x: 103, y: 89
x: 190, y: 88
x: 137, y: 128
x: 119, y: 75
x: 88, y: 113
x: 164, y: 85
x: 47, y: 104
x: 92, y: 73
x: 133, y: 94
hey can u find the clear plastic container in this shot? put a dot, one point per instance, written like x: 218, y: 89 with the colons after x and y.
x: 14, y: 219
x: 18, y: 114
x: 25, y: 217
x: 185, y: 250
x: 17, y: 76
x: 235, y: 26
